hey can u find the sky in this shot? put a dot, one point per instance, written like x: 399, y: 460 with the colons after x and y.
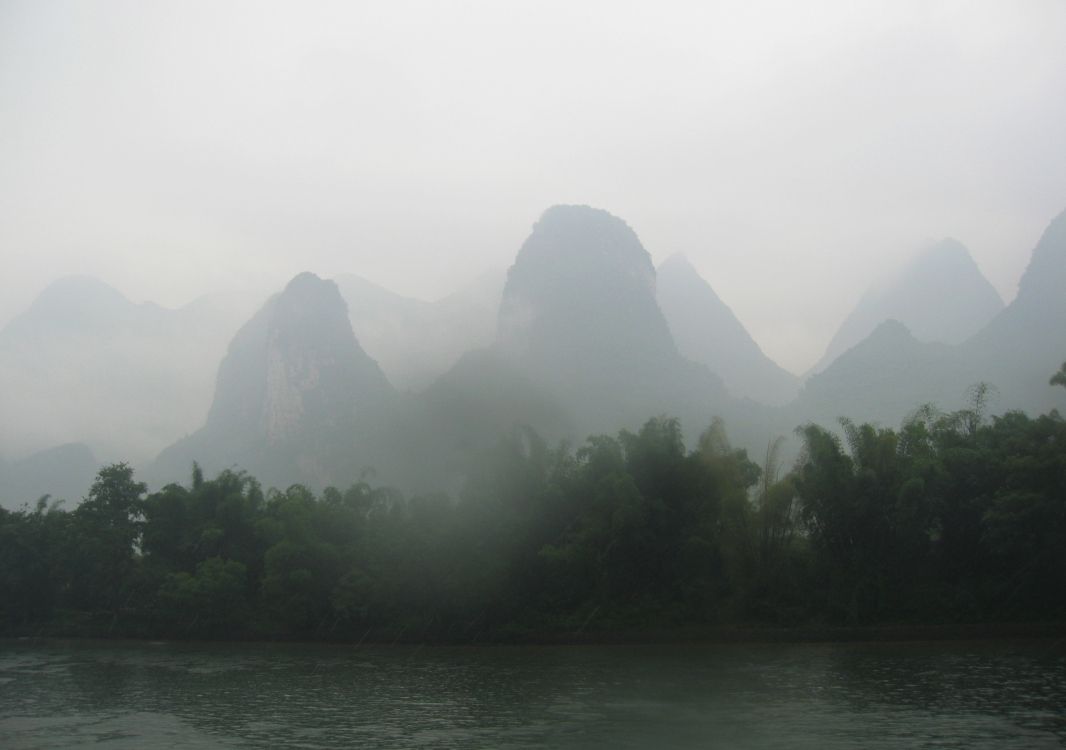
x: 794, y: 152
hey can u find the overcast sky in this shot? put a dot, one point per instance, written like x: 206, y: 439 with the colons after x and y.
x: 794, y: 151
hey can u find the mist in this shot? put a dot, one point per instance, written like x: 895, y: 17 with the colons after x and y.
x: 178, y: 151
x: 340, y: 341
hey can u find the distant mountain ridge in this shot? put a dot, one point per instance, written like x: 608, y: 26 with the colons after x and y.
x: 413, y: 341
x: 583, y: 345
x: 1015, y: 353
x: 85, y: 364
x: 885, y: 377
x: 707, y: 331
x: 940, y: 296
x: 64, y: 472
x: 1026, y: 342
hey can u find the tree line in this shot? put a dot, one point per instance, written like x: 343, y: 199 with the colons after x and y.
x: 951, y: 518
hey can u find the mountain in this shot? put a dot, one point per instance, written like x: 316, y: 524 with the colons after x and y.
x: 1026, y: 343
x: 296, y: 398
x: 1040, y: 299
x: 891, y: 372
x: 706, y: 331
x: 884, y: 378
x: 415, y: 341
x: 579, y: 317
x: 64, y: 472
x: 940, y: 296
x: 85, y: 364
x: 581, y: 348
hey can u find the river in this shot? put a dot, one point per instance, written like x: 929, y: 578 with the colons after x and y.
x: 61, y: 694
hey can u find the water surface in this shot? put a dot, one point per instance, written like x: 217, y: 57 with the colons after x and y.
x: 142, y: 695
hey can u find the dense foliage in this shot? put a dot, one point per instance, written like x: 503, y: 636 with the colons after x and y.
x: 952, y: 518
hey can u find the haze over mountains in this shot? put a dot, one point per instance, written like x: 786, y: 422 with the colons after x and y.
x: 579, y: 315
x: 940, y: 296
x: 413, y: 341
x: 84, y: 364
x: 585, y: 337
x: 1030, y: 334
x: 707, y: 331
x: 1015, y: 353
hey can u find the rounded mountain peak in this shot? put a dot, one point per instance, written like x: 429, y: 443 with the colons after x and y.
x: 76, y: 303
x: 941, y: 261
x: 309, y: 297
x: 580, y: 278
x: 79, y: 291
x: 584, y: 238
x: 309, y: 283
x: 304, y: 279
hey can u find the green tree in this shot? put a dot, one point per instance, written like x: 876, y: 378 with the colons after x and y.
x: 103, y: 548
x: 300, y: 568
x: 868, y: 517
x: 1024, y: 520
x: 31, y: 575
x: 212, y: 602
x: 1059, y: 378
x: 775, y: 589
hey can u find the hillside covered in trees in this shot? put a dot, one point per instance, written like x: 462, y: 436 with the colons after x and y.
x: 952, y: 518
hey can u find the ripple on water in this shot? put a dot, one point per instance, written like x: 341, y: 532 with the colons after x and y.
x: 824, y: 696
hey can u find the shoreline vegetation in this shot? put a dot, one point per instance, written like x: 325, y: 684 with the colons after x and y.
x: 951, y: 527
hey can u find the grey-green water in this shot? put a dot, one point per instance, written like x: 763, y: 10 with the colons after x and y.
x: 965, y: 695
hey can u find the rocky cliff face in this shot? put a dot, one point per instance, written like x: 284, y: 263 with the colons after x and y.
x: 294, y: 391
x: 295, y: 367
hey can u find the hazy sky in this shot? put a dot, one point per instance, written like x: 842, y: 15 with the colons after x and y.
x: 793, y: 150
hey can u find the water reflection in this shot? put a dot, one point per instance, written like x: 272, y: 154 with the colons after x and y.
x: 743, y: 696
